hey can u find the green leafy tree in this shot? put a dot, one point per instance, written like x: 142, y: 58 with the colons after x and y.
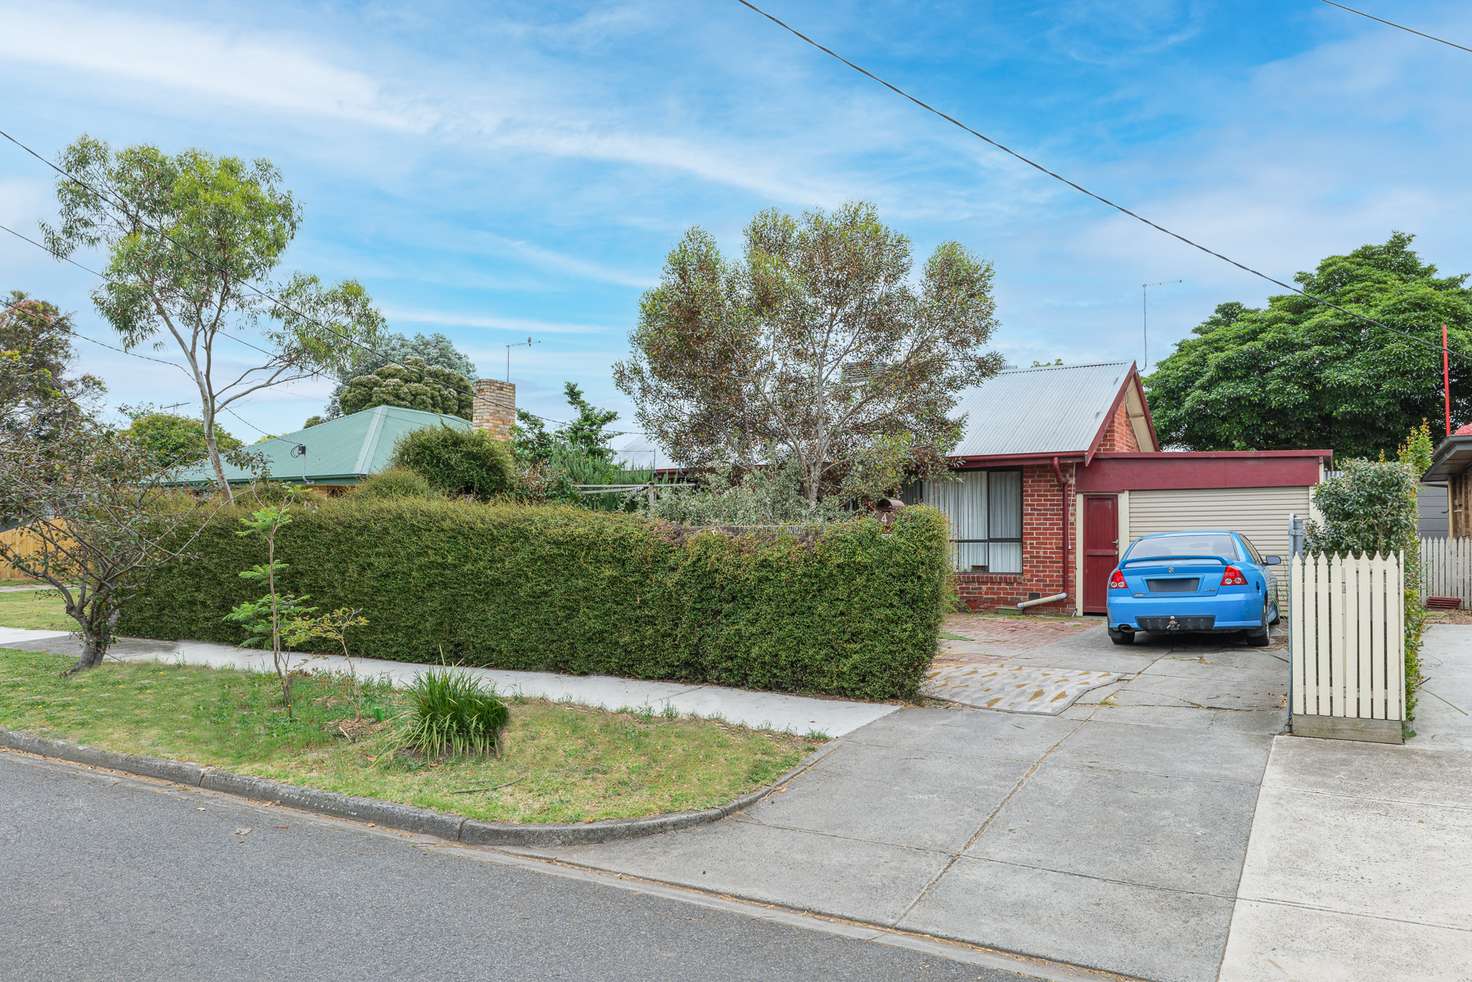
x: 266, y: 619
x: 412, y: 384
x: 194, y: 242
x: 434, y: 350
x: 586, y: 433
x: 173, y: 440
x: 1299, y: 374
x: 820, y: 340
x: 35, y: 357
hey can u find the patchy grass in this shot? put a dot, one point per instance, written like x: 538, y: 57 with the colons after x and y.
x: 561, y: 763
x: 36, y: 610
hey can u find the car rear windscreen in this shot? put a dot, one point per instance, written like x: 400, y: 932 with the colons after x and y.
x: 1204, y: 544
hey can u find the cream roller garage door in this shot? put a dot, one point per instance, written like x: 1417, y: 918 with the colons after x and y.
x: 1261, y: 514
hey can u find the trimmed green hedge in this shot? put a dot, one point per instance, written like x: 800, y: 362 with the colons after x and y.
x: 853, y: 611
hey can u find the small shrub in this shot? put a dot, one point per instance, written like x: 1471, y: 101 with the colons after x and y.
x: 396, y: 482
x: 468, y: 463
x: 1370, y: 507
x: 454, y: 715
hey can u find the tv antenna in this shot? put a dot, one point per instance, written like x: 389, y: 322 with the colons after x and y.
x: 515, y: 344
x: 1145, y: 317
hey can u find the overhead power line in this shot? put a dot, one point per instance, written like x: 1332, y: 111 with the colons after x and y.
x: 105, y: 278
x: 1400, y: 27
x: 1035, y: 165
x: 133, y: 216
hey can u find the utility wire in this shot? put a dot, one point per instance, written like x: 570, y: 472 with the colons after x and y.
x: 1079, y: 187
x: 133, y: 216
x: 16, y: 304
x: 105, y: 278
x: 1400, y: 27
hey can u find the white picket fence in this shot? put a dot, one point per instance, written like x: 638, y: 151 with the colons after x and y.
x: 1347, y: 636
x: 1446, y: 569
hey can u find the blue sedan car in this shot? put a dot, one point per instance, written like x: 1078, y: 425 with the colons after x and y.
x: 1193, y: 581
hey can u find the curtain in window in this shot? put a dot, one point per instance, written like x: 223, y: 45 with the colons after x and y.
x: 964, y: 503
x: 1004, y: 520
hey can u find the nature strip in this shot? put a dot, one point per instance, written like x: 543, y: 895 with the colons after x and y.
x: 386, y: 813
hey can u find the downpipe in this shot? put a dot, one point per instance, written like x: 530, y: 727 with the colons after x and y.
x: 1042, y: 600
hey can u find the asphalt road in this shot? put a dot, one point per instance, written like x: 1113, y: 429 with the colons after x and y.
x: 106, y: 877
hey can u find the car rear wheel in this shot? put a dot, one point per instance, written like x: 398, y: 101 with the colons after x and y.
x: 1262, y: 636
x: 1121, y: 637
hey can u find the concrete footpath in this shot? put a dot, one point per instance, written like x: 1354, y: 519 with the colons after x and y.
x: 793, y: 714
x: 1360, y: 860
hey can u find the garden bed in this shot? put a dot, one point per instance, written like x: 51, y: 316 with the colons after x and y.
x: 561, y: 763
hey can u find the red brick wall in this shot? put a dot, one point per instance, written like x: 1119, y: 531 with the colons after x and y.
x: 1042, y: 549
x: 1119, y: 435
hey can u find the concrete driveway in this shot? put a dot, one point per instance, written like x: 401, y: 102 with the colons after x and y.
x: 1109, y: 835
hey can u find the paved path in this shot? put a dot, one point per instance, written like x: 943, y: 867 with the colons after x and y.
x: 795, y: 714
x: 1360, y: 863
x: 110, y: 878
x: 1111, y: 835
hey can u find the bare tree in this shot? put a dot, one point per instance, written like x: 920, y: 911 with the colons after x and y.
x: 94, y: 514
x: 189, y: 238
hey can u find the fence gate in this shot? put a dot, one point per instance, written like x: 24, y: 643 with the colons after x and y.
x: 1446, y: 570
x: 1346, y: 646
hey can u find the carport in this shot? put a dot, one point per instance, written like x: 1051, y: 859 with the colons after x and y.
x: 1122, y: 496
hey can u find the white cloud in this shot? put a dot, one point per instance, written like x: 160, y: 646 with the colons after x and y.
x: 273, y: 73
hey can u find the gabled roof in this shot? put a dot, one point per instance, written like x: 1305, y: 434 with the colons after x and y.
x: 1052, y: 409
x: 341, y: 450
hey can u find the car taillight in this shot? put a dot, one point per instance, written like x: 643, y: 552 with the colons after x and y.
x: 1116, y: 581
x: 1232, y: 576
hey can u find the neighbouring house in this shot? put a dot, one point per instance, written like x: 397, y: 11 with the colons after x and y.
x: 1059, y: 468
x: 1451, y: 466
x: 338, y: 453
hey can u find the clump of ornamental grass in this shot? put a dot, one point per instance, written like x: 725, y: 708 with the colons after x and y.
x: 453, y: 714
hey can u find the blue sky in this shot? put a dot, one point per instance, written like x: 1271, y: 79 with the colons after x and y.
x: 498, y: 170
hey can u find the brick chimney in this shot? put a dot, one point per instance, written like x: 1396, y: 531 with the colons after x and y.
x: 495, y: 407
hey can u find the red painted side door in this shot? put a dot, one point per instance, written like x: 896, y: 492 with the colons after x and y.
x: 1101, y: 549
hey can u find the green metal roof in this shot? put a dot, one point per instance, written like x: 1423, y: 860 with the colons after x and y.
x: 339, y: 451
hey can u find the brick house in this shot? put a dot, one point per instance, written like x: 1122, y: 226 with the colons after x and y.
x: 1059, y: 467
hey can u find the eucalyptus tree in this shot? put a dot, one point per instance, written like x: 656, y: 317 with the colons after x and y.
x: 194, y: 245
x: 820, y: 343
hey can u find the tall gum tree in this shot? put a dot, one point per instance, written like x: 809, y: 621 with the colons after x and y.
x: 816, y: 346
x: 194, y: 244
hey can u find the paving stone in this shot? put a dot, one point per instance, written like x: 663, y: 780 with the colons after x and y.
x: 1011, y: 688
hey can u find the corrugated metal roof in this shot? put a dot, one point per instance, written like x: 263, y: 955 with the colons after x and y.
x: 345, y: 448
x: 1051, y: 409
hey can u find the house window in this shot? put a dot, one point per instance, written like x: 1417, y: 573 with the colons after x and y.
x: 984, y: 509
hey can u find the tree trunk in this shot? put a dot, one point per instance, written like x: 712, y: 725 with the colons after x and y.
x: 93, y: 649
x: 213, y: 447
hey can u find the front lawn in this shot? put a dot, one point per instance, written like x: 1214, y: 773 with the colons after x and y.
x: 561, y: 763
x: 37, y: 610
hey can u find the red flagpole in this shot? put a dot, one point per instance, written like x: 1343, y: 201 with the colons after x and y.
x: 1446, y: 380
